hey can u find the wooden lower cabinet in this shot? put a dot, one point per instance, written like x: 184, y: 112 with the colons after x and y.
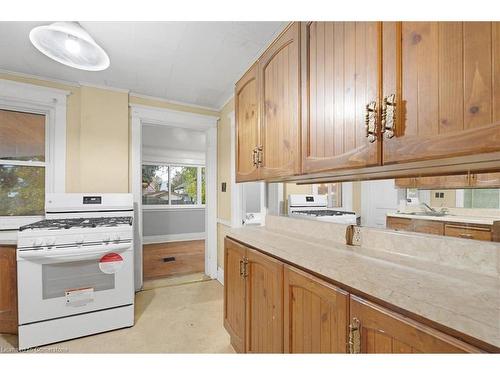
x: 264, y: 303
x: 315, y: 314
x: 234, y: 293
x: 384, y: 331
x: 8, y: 290
x: 253, y: 299
x: 272, y: 307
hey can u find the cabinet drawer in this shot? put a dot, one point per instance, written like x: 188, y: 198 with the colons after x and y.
x: 466, y: 231
x: 428, y: 226
x: 399, y: 223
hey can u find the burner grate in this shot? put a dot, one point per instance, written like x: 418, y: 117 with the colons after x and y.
x: 92, y: 222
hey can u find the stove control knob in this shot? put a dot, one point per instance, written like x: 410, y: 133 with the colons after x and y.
x: 51, y: 241
x: 106, y: 238
x: 116, y: 238
x: 37, y: 242
x: 79, y: 240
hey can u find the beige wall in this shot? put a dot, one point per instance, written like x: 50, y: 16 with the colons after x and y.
x: 104, y: 141
x: 224, y: 162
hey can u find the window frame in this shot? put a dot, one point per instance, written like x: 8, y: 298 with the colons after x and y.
x: 51, y: 103
x: 170, y: 206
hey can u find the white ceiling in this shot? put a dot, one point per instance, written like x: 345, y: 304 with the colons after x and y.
x: 191, y: 62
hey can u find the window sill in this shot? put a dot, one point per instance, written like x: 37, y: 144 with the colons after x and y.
x: 172, y: 207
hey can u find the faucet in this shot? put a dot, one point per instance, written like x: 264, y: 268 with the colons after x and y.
x: 428, y: 207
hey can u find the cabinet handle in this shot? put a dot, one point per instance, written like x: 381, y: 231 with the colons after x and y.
x: 371, y: 121
x: 389, y: 115
x: 260, y: 156
x: 245, y: 267
x: 254, y: 157
x: 465, y: 235
x: 355, y: 336
x: 241, y: 268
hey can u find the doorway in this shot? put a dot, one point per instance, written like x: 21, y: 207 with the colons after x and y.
x: 174, y: 168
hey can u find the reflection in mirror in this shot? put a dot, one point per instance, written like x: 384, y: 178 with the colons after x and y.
x: 471, y: 213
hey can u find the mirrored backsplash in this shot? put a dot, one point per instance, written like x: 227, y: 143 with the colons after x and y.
x: 396, y: 204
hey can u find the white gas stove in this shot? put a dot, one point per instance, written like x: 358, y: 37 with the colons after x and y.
x: 75, y: 268
x: 315, y: 207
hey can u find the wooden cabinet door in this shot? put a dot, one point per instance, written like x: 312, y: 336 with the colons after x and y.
x: 340, y: 76
x: 279, y: 100
x: 405, y: 183
x: 446, y: 78
x: 247, y: 125
x: 234, y: 293
x: 315, y: 314
x: 472, y: 232
x: 8, y: 290
x: 384, y: 331
x: 485, y: 180
x: 264, y: 303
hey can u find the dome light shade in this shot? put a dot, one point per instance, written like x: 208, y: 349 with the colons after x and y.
x: 69, y: 44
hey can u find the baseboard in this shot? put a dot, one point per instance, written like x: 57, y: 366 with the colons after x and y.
x: 173, y: 237
x: 220, y: 275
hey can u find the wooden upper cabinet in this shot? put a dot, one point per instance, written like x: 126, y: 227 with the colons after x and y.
x: 383, y: 331
x: 247, y: 129
x: 234, y: 293
x: 315, y: 314
x: 340, y: 76
x: 484, y: 180
x: 280, y: 107
x: 446, y: 78
x: 264, y: 303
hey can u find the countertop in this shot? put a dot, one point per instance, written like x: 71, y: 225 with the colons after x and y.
x: 8, y: 237
x: 465, y: 301
x: 484, y: 220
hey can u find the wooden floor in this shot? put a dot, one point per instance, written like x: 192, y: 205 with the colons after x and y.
x: 173, y: 258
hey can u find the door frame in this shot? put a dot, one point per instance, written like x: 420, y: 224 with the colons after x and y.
x: 146, y: 115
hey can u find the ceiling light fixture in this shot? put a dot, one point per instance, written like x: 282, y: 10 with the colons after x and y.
x: 69, y: 44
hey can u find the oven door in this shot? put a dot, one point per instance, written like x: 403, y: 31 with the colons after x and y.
x: 61, y: 282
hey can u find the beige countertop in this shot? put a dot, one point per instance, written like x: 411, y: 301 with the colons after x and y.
x: 458, y: 298
x: 484, y: 220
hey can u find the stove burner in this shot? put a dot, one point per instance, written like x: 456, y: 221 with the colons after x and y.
x: 90, y: 222
x: 323, y: 213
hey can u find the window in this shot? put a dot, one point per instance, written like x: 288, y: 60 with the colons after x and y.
x: 173, y: 185
x: 32, y: 150
x: 333, y: 192
x: 22, y: 163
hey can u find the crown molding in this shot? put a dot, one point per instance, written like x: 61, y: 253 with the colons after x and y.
x: 40, y: 78
x: 168, y: 101
x: 103, y: 87
x: 226, y: 101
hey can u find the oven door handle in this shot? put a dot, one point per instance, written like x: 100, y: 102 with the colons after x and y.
x: 80, y: 253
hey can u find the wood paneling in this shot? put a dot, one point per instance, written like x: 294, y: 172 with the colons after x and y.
x: 428, y: 226
x: 340, y: 71
x: 264, y: 304
x: 8, y: 290
x: 479, y: 180
x: 315, y: 314
x: 189, y: 258
x: 247, y: 129
x: 234, y: 294
x: 447, y: 79
x: 280, y: 106
x: 384, y: 331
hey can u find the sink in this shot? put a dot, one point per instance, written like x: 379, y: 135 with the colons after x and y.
x: 428, y: 213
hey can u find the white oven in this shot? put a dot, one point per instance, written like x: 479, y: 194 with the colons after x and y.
x: 69, y: 280
x: 75, y: 269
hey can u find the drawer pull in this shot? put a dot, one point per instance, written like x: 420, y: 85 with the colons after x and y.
x: 465, y: 235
